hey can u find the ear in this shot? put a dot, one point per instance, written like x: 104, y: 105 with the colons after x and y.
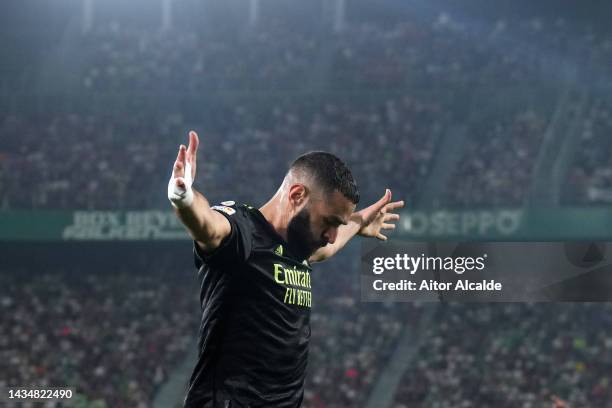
x: 297, y: 194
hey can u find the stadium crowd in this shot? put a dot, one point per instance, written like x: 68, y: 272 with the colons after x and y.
x: 590, y: 176
x: 403, y: 86
x: 351, y: 341
x: 89, y: 162
x: 386, y: 97
x: 351, y: 344
x: 115, y: 334
x: 498, y: 163
x: 511, y: 355
x: 131, y: 59
x: 112, y: 336
x: 115, y: 337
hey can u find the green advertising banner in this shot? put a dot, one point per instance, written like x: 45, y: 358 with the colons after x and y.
x: 509, y: 225
x: 90, y: 226
x: 500, y: 225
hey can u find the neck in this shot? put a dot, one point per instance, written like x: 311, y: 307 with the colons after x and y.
x: 273, y: 213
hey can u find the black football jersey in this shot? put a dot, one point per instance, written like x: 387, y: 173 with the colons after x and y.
x: 255, y: 298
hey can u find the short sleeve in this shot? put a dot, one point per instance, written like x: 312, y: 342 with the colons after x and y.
x: 234, y: 248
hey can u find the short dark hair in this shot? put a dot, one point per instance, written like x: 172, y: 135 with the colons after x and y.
x: 329, y: 172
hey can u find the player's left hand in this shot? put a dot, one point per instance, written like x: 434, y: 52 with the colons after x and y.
x: 379, y: 217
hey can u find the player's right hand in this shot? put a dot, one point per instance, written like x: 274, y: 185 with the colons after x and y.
x: 180, y: 192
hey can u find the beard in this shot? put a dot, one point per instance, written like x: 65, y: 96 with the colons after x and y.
x: 300, y: 237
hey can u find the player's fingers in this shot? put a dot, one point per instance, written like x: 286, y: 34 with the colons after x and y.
x: 179, y: 164
x: 194, y: 142
x: 181, y: 154
x: 391, y: 217
x: 178, y: 157
x: 380, y: 204
x: 387, y: 226
x: 381, y: 237
x: 396, y: 204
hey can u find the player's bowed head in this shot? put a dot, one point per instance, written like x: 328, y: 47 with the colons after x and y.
x: 315, y: 207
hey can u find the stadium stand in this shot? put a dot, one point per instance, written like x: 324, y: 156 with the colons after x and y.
x: 381, y: 96
x: 509, y: 355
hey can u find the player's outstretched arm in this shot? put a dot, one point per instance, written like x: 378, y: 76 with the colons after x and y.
x: 206, y: 226
x: 369, y: 222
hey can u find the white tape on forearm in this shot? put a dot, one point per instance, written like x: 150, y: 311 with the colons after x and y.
x: 181, y: 197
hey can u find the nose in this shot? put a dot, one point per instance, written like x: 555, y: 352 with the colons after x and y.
x: 330, y: 235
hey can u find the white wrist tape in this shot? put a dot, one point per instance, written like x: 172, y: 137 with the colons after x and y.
x: 179, y: 196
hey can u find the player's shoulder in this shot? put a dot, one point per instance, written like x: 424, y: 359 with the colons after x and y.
x: 231, y: 207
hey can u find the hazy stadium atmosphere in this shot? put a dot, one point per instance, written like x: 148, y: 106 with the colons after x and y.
x: 465, y: 108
